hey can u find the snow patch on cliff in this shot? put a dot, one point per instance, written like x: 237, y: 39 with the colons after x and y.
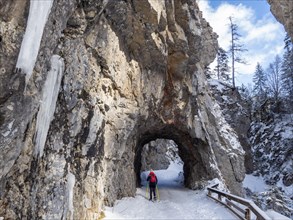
x: 38, y: 14
x: 9, y: 129
x: 48, y: 103
x: 225, y: 129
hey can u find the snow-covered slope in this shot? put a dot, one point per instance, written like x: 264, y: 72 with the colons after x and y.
x: 268, y: 142
x: 272, y: 147
x: 270, y: 198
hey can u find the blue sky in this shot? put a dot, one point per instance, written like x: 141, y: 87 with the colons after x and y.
x: 261, y: 34
x: 261, y: 7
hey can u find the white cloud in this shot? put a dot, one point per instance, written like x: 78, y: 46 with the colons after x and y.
x: 262, y: 37
x: 266, y: 32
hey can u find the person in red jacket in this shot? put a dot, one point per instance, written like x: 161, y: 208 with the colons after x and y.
x: 153, y: 181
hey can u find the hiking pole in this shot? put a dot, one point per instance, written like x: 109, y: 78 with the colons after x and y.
x: 158, y: 192
x: 147, y: 189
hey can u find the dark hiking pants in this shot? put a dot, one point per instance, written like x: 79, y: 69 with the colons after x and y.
x: 152, y: 191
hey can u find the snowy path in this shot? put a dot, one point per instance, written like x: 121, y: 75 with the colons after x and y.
x: 176, y: 202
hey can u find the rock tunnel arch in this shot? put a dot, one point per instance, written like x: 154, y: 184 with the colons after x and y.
x: 194, y: 153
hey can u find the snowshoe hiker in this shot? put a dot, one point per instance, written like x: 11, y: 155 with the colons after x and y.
x: 152, y: 179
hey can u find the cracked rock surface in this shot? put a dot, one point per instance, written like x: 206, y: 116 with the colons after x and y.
x: 131, y: 72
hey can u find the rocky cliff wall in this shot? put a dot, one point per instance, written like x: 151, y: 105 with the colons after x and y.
x: 109, y: 77
x: 235, y: 109
x: 283, y: 11
x: 158, y: 154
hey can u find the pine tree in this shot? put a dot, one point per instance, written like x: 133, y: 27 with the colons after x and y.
x: 274, y: 81
x: 222, y: 67
x: 246, y: 91
x: 261, y: 95
x: 235, y: 49
x: 287, y: 73
x: 288, y: 42
x: 260, y: 80
x: 208, y: 72
x: 247, y: 95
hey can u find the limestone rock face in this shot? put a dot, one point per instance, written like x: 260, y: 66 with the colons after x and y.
x: 158, y: 154
x: 283, y: 11
x: 110, y: 76
x: 236, y: 112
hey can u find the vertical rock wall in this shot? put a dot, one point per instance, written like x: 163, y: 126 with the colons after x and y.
x: 133, y: 72
x: 236, y: 112
x: 283, y: 11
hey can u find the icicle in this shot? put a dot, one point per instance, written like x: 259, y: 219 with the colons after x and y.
x: 48, y: 104
x: 70, y: 186
x: 38, y: 16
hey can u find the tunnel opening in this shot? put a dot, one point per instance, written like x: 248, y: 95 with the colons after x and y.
x: 162, y: 156
x: 195, y: 153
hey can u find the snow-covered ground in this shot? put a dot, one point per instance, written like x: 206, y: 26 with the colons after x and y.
x: 257, y: 184
x: 176, y: 202
x: 254, y: 183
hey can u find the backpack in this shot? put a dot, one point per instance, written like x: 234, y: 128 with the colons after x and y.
x: 153, y: 179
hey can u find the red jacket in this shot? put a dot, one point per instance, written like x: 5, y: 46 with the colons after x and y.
x: 152, y: 184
